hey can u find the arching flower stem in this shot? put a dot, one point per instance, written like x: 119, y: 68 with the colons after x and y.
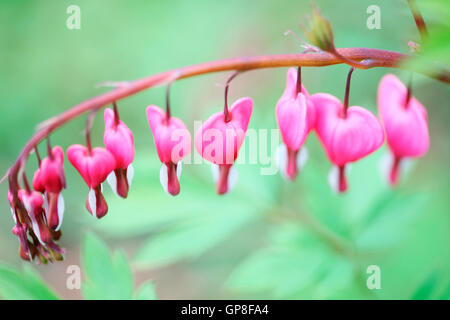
x: 378, y: 58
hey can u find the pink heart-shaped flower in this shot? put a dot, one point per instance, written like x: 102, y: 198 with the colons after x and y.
x: 51, y: 172
x: 296, y: 117
x: 219, y: 141
x: 118, y: 140
x: 173, y: 142
x: 405, y: 124
x: 94, y: 166
x: 345, y: 138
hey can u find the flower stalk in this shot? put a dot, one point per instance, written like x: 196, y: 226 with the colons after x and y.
x: 378, y: 58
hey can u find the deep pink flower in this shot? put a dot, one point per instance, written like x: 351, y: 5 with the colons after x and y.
x: 20, y: 230
x: 37, y: 181
x: 296, y: 117
x: 346, y: 138
x: 33, y: 203
x: 173, y: 142
x: 94, y: 166
x: 405, y: 122
x: 219, y: 141
x: 119, y: 141
x: 49, y: 179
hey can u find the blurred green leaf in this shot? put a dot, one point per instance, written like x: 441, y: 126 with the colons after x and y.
x: 389, y: 223
x: 27, y: 285
x: 146, y: 291
x: 108, y: 275
x: 427, y: 288
x: 190, y: 239
x: 148, y: 208
x: 281, y: 272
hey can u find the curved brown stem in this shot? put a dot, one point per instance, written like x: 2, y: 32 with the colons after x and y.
x: 420, y: 23
x: 377, y: 58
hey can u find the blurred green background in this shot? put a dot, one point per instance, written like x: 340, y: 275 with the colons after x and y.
x: 267, y: 238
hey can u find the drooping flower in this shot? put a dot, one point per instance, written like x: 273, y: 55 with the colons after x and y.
x: 346, y: 136
x: 94, y: 166
x: 173, y: 142
x: 20, y: 230
x: 50, y: 180
x: 33, y: 203
x: 296, y: 117
x: 220, y: 138
x: 405, y: 122
x: 119, y: 142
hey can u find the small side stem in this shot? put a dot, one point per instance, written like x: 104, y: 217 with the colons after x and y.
x: 116, y: 113
x: 409, y: 92
x: 420, y: 23
x: 227, y: 85
x: 89, y: 122
x: 347, y: 91
x: 38, y: 156
x: 25, y: 182
x: 168, y: 102
x: 49, y: 148
x: 299, y: 80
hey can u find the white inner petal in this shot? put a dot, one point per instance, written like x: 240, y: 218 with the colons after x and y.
x: 385, y: 165
x: 130, y: 174
x: 164, y: 178
x: 215, y: 172
x: 406, y: 164
x: 333, y: 179
x: 302, y: 157
x: 232, y: 178
x: 36, y: 228
x: 179, y: 169
x: 281, y: 160
x: 13, y: 215
x: 45, y: 196
x: 112, y: 181
x: 27, y: 206
x: 92, y: 200
x: 61, y: 208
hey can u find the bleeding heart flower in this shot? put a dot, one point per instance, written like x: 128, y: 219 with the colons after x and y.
x: 33, y: 203
x: 94, y: 166
x: 346, y: 136
x: 173, y: 142
x: 296, y: 117
x: 20, y: 230
x: 50, y: 180
x: 219, y: 140
x: 119, y: 141
x: 404, y: 120
x: 37, y: 181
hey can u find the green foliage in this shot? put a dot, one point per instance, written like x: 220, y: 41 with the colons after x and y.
x: 108, y: 274
x: 239, y: 245
x: 146, y: 292
x: 434, y: 52
x: 25, y: 285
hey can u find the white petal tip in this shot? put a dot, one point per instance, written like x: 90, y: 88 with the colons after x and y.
x: 61, y: 208
x: 130, y: 174
x: 92, y: 200
x: 112, y: 181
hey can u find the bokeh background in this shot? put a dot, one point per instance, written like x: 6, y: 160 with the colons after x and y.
x: 267, y: 238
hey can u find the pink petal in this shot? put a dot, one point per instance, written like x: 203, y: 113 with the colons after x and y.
x: 118, y: 140
x: 218, y: 141
x: 406, y: 128
x: 172, y: 139
x: 346, y: 139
